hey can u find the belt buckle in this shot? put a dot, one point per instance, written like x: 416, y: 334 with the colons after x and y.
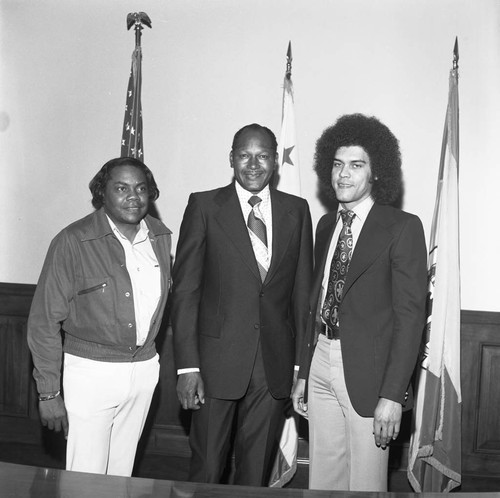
x: 329, y: 332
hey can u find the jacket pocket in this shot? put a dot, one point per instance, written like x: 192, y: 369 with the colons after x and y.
x: 94, y: 288
x: 95, y: 302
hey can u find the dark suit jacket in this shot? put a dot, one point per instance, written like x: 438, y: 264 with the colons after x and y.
x: 220, y: 307
x: 382, y: 313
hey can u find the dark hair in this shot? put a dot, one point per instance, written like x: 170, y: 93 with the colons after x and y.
x: 378, y: 142
x: 256, y: 127
x: 98, y: 184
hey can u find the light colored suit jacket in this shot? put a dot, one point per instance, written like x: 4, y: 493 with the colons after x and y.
x: 382, y: 313
x: 220, y: 307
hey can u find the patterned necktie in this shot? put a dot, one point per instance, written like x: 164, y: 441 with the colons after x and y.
x: 259, y: 242
x: 338, y: 271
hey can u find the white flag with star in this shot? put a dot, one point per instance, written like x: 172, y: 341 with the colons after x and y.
x: 289, y: 174
x: 285, y: 464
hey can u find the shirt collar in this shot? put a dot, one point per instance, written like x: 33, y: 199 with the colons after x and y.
x: 140, y: 236
x: 97, y: 226
x: 244, y: 195
x: 361, y: 210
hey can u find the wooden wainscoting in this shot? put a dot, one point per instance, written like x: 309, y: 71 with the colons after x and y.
x: 480, y: 363
x: 167, y: 426
x: 18, y: 406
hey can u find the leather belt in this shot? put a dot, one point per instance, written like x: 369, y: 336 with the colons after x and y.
x: 329, y: 332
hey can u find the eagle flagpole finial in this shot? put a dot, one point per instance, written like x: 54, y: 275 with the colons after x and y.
x: 137, y: 19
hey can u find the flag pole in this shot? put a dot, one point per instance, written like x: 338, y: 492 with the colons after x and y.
x: 132, y: 144
x: 289, y: 59
x: 288, y: 77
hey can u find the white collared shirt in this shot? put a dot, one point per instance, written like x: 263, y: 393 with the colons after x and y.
x: 145, y: 276
x: 265, y: 210
x: 361, y: 211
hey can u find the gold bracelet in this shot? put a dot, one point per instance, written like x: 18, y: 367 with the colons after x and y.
x: 47, y: 397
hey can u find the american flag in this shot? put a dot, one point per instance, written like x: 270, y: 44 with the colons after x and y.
x: 132, y: 124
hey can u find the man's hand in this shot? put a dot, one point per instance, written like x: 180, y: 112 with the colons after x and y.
x: 53, y: 414
x: 190, y: 390
x: 386, y: 421
x: 298, y: 397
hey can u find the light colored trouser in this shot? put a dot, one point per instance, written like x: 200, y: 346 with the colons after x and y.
x: 342, y: 450
x: 107, y: 405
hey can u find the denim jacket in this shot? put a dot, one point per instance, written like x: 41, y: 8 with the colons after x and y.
x: 85, y: 290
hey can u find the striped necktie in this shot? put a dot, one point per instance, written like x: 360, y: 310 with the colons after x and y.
x: 259, y: 242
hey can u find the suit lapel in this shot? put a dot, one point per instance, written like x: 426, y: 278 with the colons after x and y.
x: 323, y: 240
x: 324, y: 234
x: 284, y: 224
x: 231, y: 220
x: 373, y: 239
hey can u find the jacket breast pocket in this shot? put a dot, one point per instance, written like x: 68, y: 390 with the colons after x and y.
x: 98, y: 287
x: 94, y: 302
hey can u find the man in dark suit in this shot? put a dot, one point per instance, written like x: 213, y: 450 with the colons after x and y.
x: 367, y: 309
x: 240, y: 304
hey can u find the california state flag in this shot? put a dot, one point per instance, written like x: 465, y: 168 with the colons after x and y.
x: 435, y: 447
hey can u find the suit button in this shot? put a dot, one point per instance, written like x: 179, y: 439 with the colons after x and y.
x: 256, y: 326
x: 261, y: 294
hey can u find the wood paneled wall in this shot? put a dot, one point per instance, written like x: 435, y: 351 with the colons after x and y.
x: 480, y: 364
x: 18, y: 404
x: 167, y: 426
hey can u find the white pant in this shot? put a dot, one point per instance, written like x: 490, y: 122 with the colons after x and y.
x: 342, y: 450
x: 107, y: 405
